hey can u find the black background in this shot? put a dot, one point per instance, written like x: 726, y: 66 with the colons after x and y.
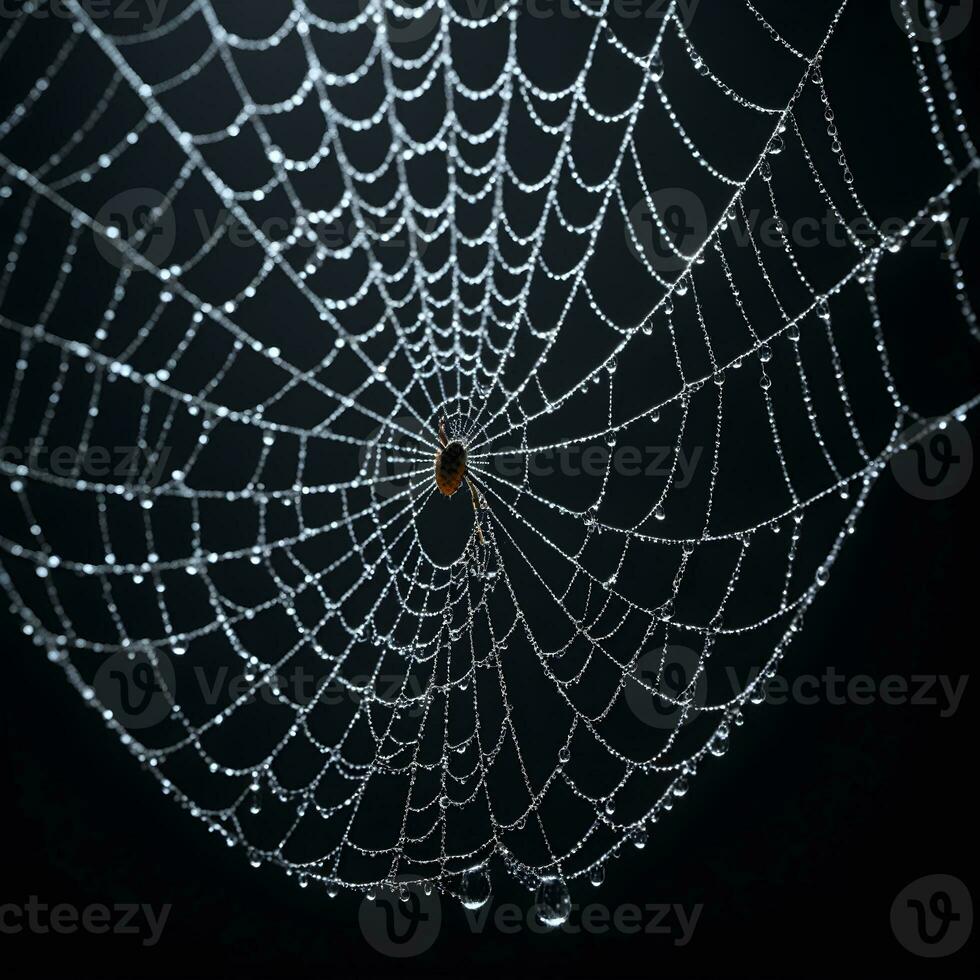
x: 796, y: 846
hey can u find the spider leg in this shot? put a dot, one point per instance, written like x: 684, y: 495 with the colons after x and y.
x: 475, y: 497
x: 443, y: 441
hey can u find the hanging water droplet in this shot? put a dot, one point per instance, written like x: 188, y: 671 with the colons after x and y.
x: 765, y: 353
x: 657, y: 66
x: 776, y: 145
x: 659, y: 513
x: 823, y: 576
x: 474, y: 889
x: 793, y: 332
x: 639, y: 838
x: 597, y: 875
x: 939, y: 210
x: 552, y: 902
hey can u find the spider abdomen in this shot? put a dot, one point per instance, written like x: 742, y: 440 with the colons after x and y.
x: 450, y: 468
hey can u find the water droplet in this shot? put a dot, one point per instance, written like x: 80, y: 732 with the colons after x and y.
x: 597, y: 875
x: 657, y: 66
x: 939, y: 210
x: 474, y: 890
x: 552, y: 902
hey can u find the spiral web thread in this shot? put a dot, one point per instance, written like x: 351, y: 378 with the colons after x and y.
x: 425, y: 777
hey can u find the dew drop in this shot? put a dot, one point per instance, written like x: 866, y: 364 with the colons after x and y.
x: 474, y: 891
x: 552, y: 902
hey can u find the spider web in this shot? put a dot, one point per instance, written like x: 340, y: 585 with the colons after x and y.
x: 542, y: 699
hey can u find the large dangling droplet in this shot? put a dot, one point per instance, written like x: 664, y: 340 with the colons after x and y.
x: 552, y: 902
x: 474, y: 889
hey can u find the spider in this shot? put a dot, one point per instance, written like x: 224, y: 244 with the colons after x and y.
x: 451, y: 471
